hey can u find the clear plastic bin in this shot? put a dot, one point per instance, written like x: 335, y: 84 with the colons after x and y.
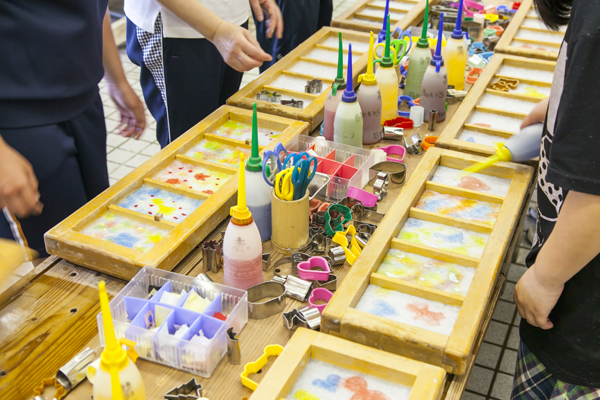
x: 130, y: 306
x: 345, y: 165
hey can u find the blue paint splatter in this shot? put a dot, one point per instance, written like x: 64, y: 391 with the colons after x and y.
x: 330, y: 384
x: 470, y: 139
x: 479, y: 212
x: 124, y: 239
x: 413, y: 223
x: 433, y: 204
x: 455, y: 238
x: 383, y: 309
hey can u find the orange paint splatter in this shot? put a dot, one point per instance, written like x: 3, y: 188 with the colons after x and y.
x: 201, y: 177
x: 358, y: 385
x: 472, y: 183
x: 173, y: 181
x: 208, y: 191
x: 422, y: 312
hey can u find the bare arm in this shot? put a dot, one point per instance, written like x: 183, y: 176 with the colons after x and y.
x: 573, y: 243
x: 133, y: 119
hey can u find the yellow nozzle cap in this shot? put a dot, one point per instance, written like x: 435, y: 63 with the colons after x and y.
x: 369, y: 78
x: 502, y: 152
x: 240, y: 215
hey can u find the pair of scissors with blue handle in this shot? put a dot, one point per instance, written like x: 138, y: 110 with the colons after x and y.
x: 272, y: 163
x: 398, y: 47
x: 295, y: 158
x: 303, y: 172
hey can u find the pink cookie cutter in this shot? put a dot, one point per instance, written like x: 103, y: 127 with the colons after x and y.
x: 368, y: 199
x: 320, y: 294
x: 306, y: 271
x: 394, y: 149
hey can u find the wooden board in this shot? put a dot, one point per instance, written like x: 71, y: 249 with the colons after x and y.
x: 289, y: 65
x: 425, y: 380
x: 526, y: 20
x: 367, y: 15
x: 66, y: 240
x: 450, y: 136
x: 453, y: 351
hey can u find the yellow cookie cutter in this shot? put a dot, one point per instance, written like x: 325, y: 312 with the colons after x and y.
x: 60, y: 390
x: 341, y: 239
x: 254, y: 367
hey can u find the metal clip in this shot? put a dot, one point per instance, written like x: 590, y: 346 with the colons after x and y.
x: 73, y: 372
x: 234, y: 354
x: 413, y: 144
x: 293, y: 103
x: 211, y: 253
x: 191, y: 390
x: 315, y: 86
x: 393, y: 133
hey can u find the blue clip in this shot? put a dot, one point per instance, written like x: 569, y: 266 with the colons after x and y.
x: 474, y: 46
x: 410, y: 102
x: 486, y: 56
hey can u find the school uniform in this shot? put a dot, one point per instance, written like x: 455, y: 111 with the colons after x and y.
x: 183, y: 76
x: 50, y: 107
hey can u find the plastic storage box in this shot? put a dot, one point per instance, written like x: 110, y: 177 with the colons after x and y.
x: 130, y: 308
x: 345, y: 165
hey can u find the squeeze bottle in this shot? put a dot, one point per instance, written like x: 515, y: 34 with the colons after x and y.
x: 348, y: 123
x: 369, y: 99
x: 334, y: 96
x: 387, y: 78
x: 435, y: 82
x: 521, y: 147
x: 455, y: 54
x: 117, y: 378
x: 259, y: 192
x: 242, y: 248
x: 419, y: 60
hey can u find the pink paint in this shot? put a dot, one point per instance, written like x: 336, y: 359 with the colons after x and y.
x: 472, y: 183
x: 359, y: 386
x: 422, y: 312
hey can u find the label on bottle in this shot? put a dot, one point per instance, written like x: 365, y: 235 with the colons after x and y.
x: 242, y: 268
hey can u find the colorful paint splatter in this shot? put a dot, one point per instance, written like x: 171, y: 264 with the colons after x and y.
x: 188, y: 176
x: 425, y: 271
x: 217, y: 152
x: 242, y: 131
x: 478, y: 182
x: 151, y: 201
x: 444, y: 237
x: 459, y: 207
x: 125, y: 232
x: 407, y: 309
x: 323, y: 381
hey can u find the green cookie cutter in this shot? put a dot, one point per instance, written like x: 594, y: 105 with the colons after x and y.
x: 336, y: 216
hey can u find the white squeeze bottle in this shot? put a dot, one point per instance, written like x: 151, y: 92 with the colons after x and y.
x: 257, y: 189
x: 348, y: 123
x: 117, y: 378
x: 242, y: 247
x: 455, y: 54
x: 334, y: 96
x: 369, y: 99
x: 434, y: 88
x: 419, y: 60
x: 387, y: 79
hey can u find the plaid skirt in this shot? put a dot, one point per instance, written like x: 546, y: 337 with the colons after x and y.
x: 533, y: 382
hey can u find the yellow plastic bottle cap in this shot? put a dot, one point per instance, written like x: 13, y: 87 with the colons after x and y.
x: 502, y: 152
x: 369, y: 78
x: 240, y: 214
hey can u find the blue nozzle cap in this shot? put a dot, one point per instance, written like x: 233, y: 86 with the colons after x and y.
x: 437, y: 59
x: 349, y: 96
x: 458, y: 33
x: 381, y: 36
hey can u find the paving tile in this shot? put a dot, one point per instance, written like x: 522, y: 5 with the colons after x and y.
x: 471, y: 396
x: 109, y: 149
x: 110, y: 125
x: 112, y: 181
x: 504, y: 312
x: 480, y: 380
x: 133, y: 145
x: 149, y: 135
x: 521, y: 255
x: 514, y: 338
x: 151, y: 150
x: 489, y: 355
x: 115, y: 140
x: 496, y: 333
x: 517, y: 320
x: 509, y: 360
x: 120, y: 156
x: 116, y: 116
x: 507, y: 291
x: 120, y: 172
x: 502, y: 386
x: 515, y: 272
x: 112, y: 166
x: 137, y: 161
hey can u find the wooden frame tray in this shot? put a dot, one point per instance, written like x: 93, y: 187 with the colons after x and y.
x: 114, y: 216
x: 526, y: 22
x: 450, y: 346
x: 426, y: 380
x: 501, y: 123
x: 293, y: 66
x: 367, y: 15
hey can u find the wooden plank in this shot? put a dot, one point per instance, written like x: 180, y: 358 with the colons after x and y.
x: 449, y: 220
x: 438, y: 254
x: 470, y: 194
x: 403, y: 286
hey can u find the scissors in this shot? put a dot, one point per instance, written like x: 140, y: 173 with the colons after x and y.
x: 272, y: 163
x: 399, y: 47
x: 283, y: 185
x: 294, y: 158
x: 302, y: 174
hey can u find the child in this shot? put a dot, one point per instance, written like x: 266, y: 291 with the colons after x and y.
x: 558, y: 297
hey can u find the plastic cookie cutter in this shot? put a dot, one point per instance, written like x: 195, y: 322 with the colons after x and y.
x: 396, y: 150
x: 368, y: 199
x: 409, y: 101
x: 60, y: 390
x: 320, y: 294
x: 336, y: 217
x: 475, y: 46
x: 273, y: 350
x: 314, y: 86
x: 342, y: 239
x: 191, y: 390
x: 400, y: 122
x: 293, y: 103
x: 454, y: 95
x: 474, y: 73
x: 428, y: 142
x: 307, y: 269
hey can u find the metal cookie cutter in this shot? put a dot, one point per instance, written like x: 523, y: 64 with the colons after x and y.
x: 296, y: 288
x: 254, y: 367
x: 315, y: 86
x: 261, y: 310
x: 379, y: 184
x: 73, y: 372
x: 306, y: 317
x: 211, y: 253
x: 293, y: 319
x: 191, y: 390
x: 266, y: 262
x: 234, y: 354
x: 293, y: 103
x: 413, y: 144
x: 284, y: 261
x: 395, y: 171
x: 338, y: 255
x: 330, y: 284
x: 365, y: 231
x: 393, y: 133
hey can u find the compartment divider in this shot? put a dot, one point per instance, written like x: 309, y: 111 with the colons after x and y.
x: 424, y: 292
x: 432, y: 252
x: 450, y: 221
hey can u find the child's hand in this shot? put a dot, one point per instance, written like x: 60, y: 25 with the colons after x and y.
x: 536, y: 298
x: 238, y: 47
x: 538, y: 114
x: 274, y: 18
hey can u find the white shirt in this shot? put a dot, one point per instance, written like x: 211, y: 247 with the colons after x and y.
x: 143, y: 13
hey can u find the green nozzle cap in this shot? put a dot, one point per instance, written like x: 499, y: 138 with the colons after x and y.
x: 386, y: 61
x: 423, y: 42
x: 254, y: 163
x: 339, y: 79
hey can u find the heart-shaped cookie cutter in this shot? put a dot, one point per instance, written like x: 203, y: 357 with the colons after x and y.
x: 307, y: 271
x: 320, y: 294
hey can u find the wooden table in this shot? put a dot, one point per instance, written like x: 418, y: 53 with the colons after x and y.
x: 50, y: 315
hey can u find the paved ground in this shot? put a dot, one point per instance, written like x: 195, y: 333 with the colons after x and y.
x: 493, y: 374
